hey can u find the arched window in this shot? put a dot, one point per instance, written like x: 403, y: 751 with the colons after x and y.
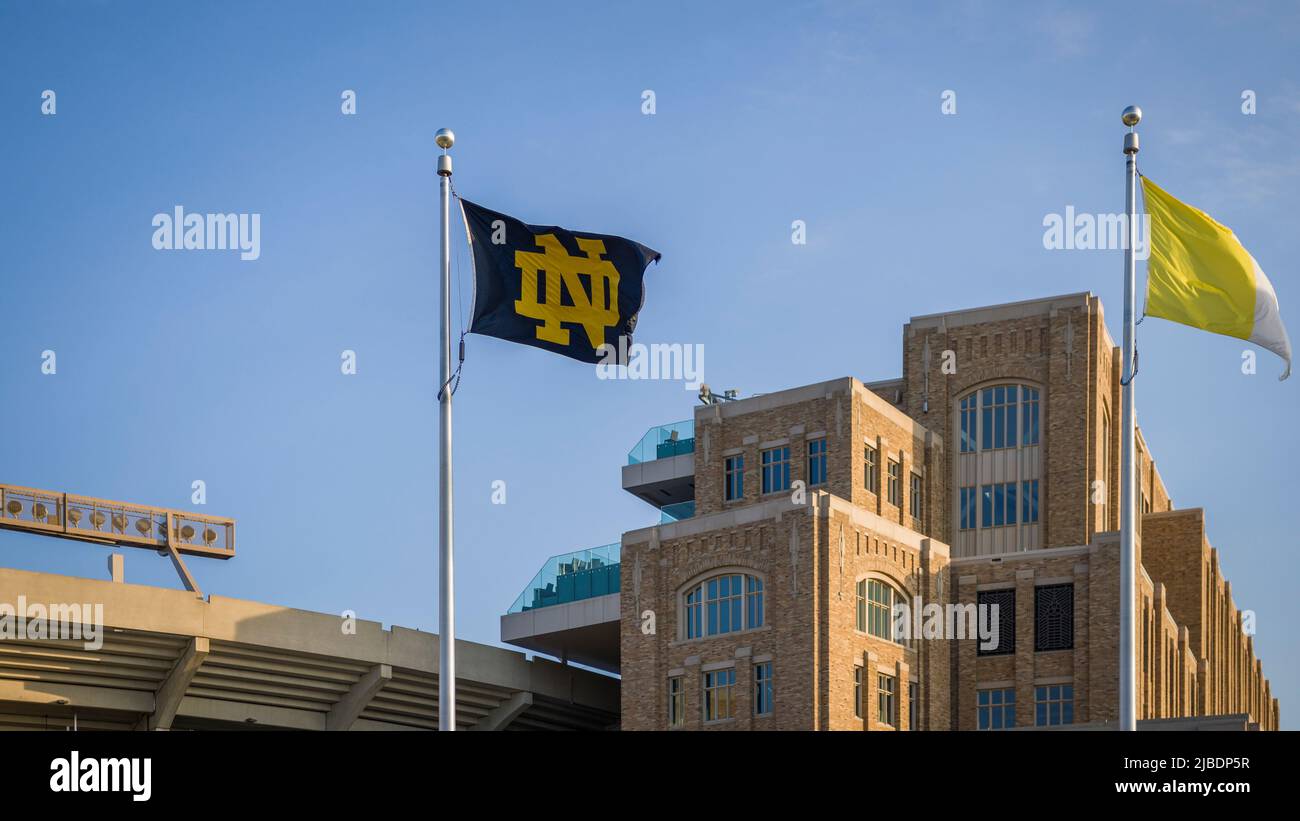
x: 726, y: 603
x: 876, y: 600
x: 999, y: 431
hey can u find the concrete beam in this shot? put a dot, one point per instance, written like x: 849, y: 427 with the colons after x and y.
x: 348, y: 709
x: 245, y: 715
x: 74, y: 695
x: 508, y: 711
x: 172, y: 690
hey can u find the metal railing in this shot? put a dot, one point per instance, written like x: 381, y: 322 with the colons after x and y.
x: 664, y: 441
x: 570, y: 577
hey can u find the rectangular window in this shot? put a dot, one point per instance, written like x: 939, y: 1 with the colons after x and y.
x: 1005, y: 602
x: 1054, y: 617
x: 776, y: 469
x: 1105, y: 465
x: 915, y: 502
x: 857, y: 692
x: 1029, y: 501
x: 968, y: 508
x: 676, y: 702
x: 968, y: 424
x: 886, y: 699
x: 895, y: 483
x: 718, y: 690
x: 998, y: 415
x: 879, y: 605
x: 999, y: 504
x: 753, y: 602
x: 912, y: 689
x: 722, y: 601
x: 996, y: 708
x: 734, y: 478
x: 1053, y: 705
x: 1029, y: 416
x: 862, y: 606
x: 763, y: 689
x: 817, y: 461
x: 870, y: 464
x: 694, y: 611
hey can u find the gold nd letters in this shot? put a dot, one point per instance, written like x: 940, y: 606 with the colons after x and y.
x: 594, y: 313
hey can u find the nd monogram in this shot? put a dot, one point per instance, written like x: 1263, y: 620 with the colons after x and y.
x: 594, y: 313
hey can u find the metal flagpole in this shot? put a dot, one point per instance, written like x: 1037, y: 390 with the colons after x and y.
x: 1128, y: 532
x: 446, y: 592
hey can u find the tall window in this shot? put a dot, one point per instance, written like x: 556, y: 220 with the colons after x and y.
x: 1105, y: 465
x: 968, y: 508
x: 719, y: 688
x: 912, y: 689
x: 1053, y: 705
x: 857, y: 692
x: 776, y: 469
x: 875, y: 614
x: 763, y: 689
x: 723, y: 604
x: 753, y: 602
x: 1005, y: 602
x: 895, y: 483
x: 968, y: 411
x: 817, y: 461
x: 1029, y: 501
x: 998, y: 417
x: 914, y: 501
x: 1029, y: 413
x: 1054, y: 617
x: 870, y: 465
x: 887, y: 699
x: 734, y: 478
x: 996, y: 708
x: 676, y: 702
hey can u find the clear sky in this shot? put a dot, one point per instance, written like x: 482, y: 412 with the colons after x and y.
x: 181, y: 366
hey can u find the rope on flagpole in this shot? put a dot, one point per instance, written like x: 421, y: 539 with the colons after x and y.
x: 454, y: 379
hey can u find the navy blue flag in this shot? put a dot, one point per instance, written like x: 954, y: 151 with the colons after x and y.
x: 569, y: 292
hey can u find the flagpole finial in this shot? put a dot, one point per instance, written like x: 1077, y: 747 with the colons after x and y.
x: 445, y: 140
x: 1131, y: 116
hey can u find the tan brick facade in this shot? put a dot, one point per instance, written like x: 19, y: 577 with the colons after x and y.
x: 811, y: 547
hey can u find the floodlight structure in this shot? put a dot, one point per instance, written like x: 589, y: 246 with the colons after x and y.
x: 121, y: 524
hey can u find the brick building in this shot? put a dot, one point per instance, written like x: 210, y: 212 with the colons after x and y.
x: 988, y: 474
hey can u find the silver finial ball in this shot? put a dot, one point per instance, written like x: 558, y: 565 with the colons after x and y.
x: 1131, y: 116
x: 444, y: 138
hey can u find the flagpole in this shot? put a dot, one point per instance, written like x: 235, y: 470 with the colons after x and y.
x: 446, y: 587
x: 1128, y: 532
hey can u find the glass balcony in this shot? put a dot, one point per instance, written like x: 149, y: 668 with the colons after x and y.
x: 677, y: 512
x: 664, y: 441
x: 570, y: 577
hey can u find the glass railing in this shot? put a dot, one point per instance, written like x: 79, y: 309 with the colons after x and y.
x: 664, y: 441
x: 570, y: 577
x: 677, y: 512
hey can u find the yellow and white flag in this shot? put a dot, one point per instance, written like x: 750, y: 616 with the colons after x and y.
x: 1199, y: 274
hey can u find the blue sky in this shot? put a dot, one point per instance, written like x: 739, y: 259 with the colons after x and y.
x: 177, y: 366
